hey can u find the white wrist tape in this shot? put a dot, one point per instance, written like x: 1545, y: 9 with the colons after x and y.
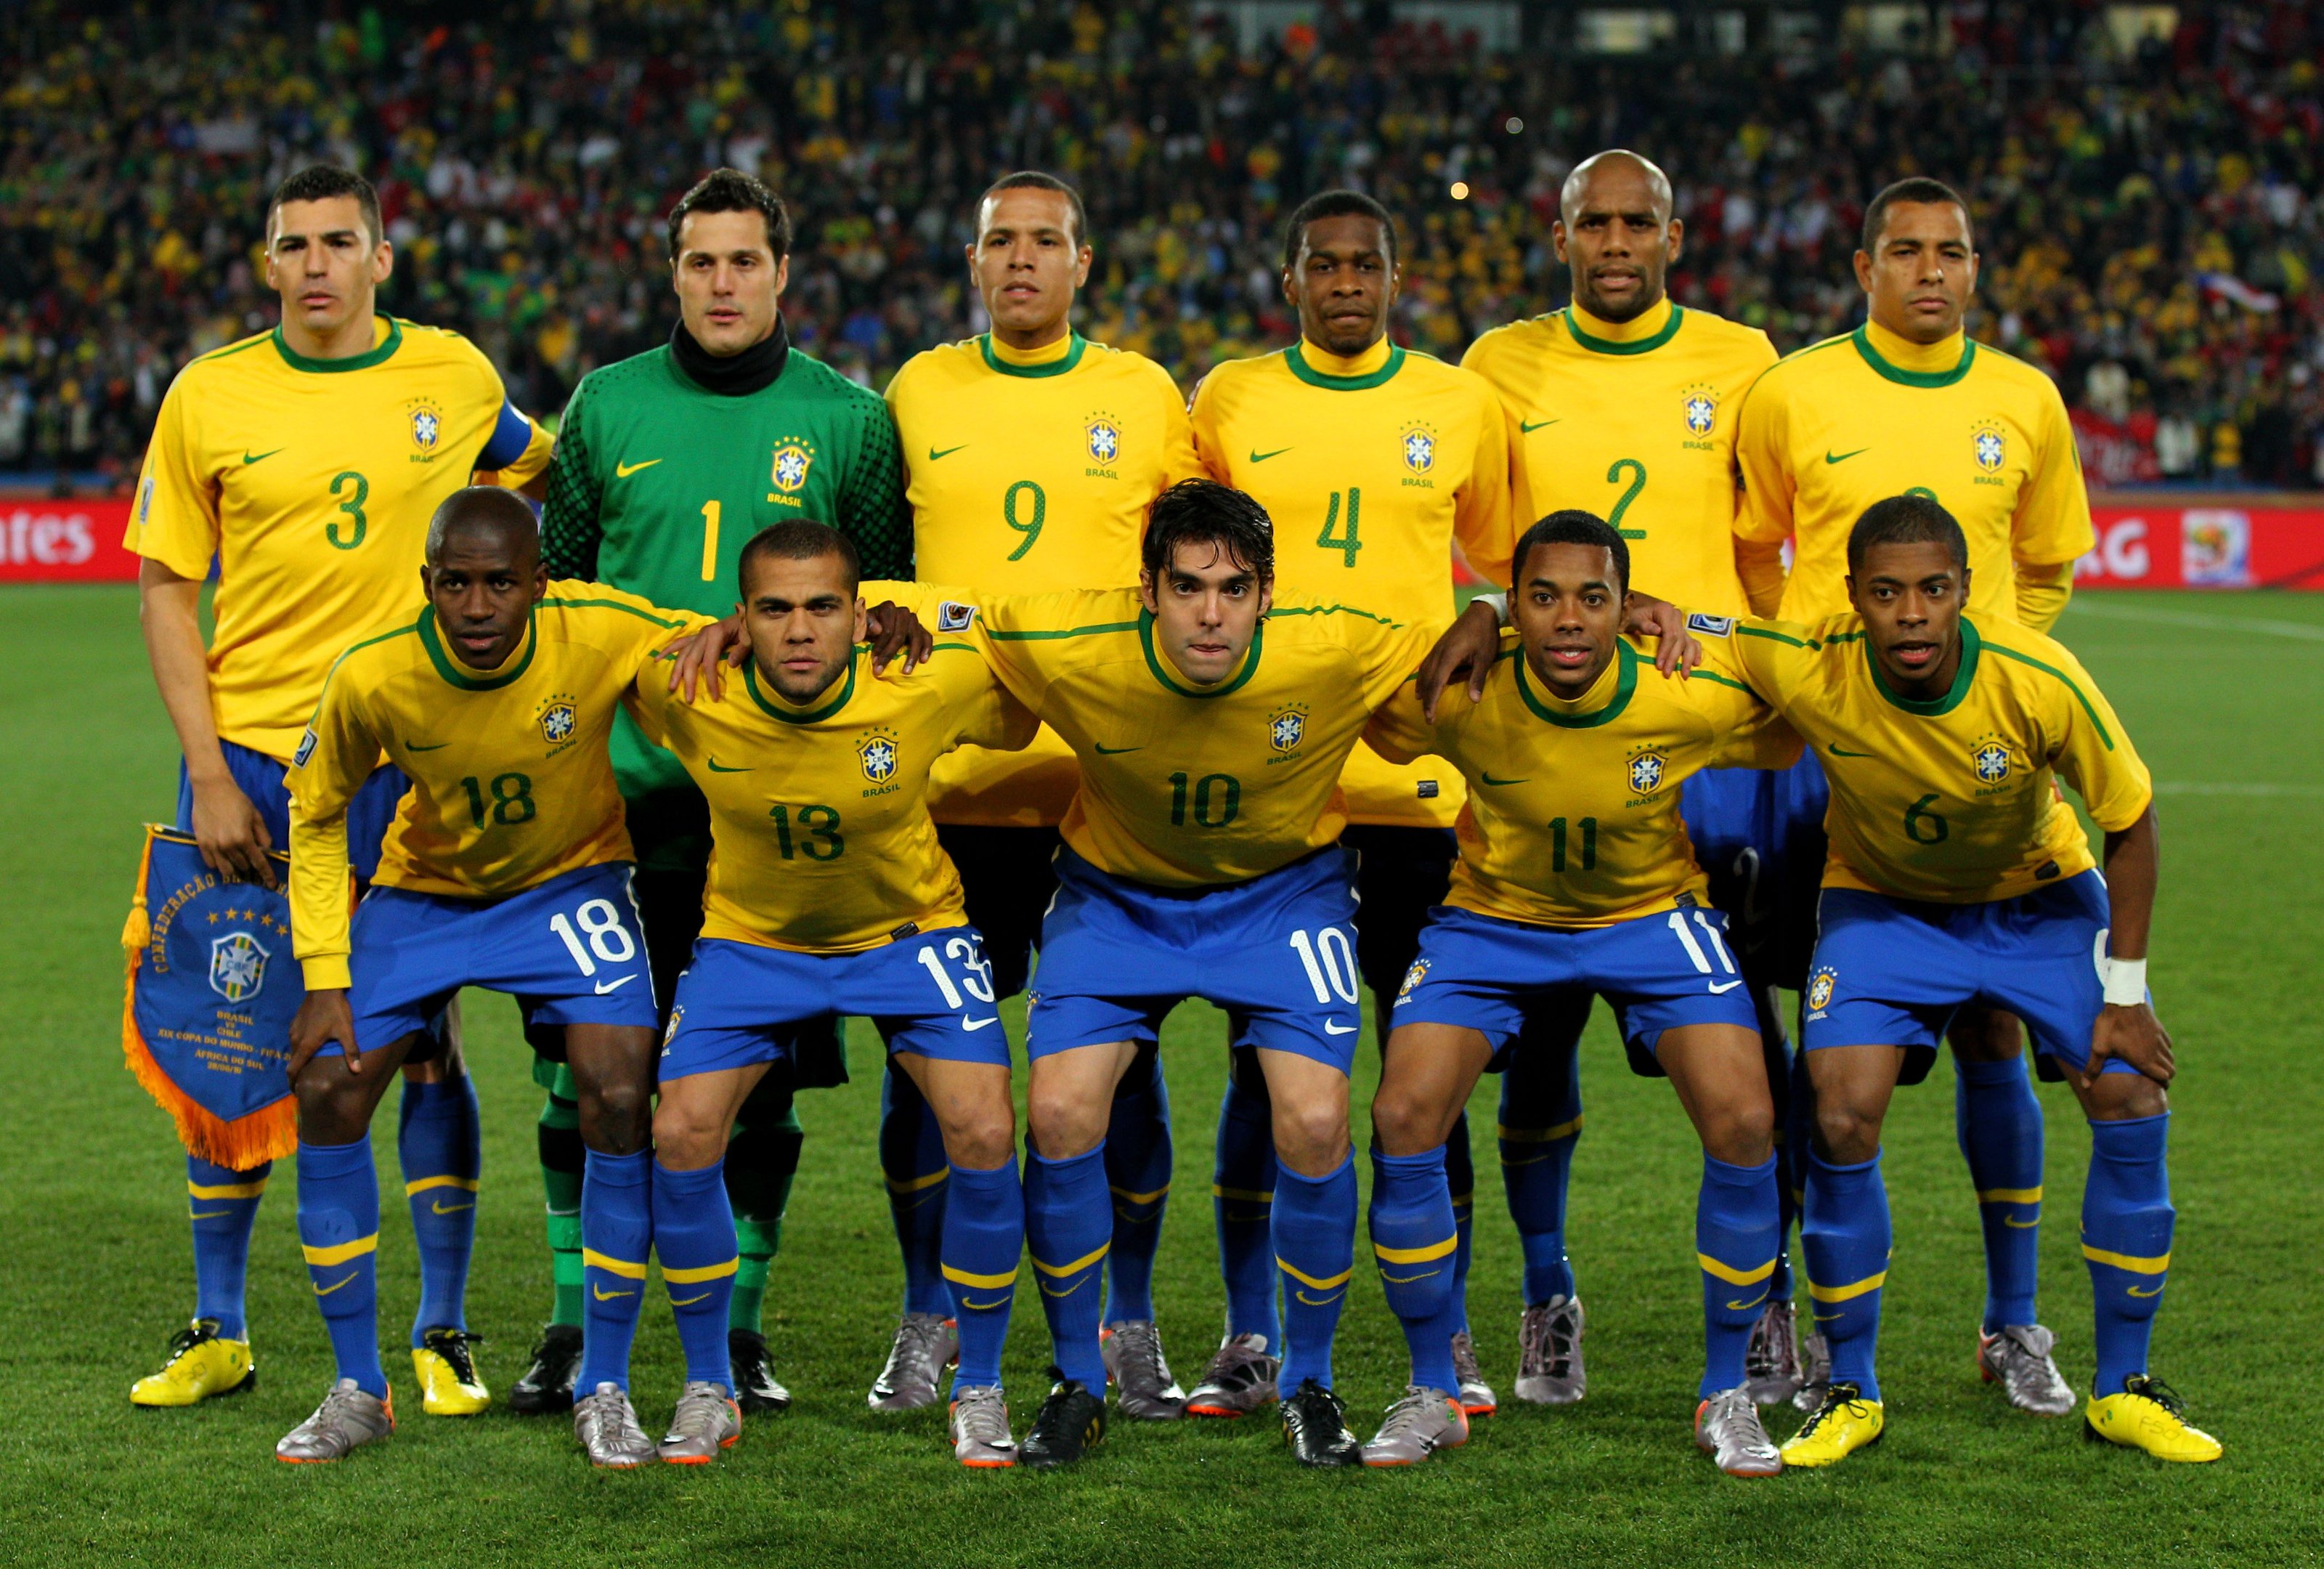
x: 2126, y: 983
x: 1499, y: 602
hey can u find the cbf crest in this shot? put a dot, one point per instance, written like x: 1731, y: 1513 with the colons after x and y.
x: 876, y: 754
x: 1989, y: 760
x: 237, y: 965
x: 1418, y: 448
x: 1101, y: 439
x: 794, y: 459
x: 1412, y: 977
x: 1699, y: 406
x: 1819, y: 989
x: 558, y: 718
x: 1990, y: 443
x: 1286, y: 727
x: 427, y: 425
x: 1646, y: 770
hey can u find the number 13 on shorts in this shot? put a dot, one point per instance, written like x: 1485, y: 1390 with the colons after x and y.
x: 975, y: 970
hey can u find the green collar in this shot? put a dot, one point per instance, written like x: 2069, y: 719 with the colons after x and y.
x: 1162, y: 671
x: 457, y: 674
x: 1596, y: 345
x: 1076, y: 344
x: 1308, y: 374
x: 1905, y: 378
x: 1625, y: 681
x: 1930, y: 708
x: 777, y: 709
x: 362, y: 362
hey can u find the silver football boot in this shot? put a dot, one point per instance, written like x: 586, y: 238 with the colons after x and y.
x: 1549, y: 1353
x: 1771, y: 1364
x: 348, y: 1418
x: 1239, y: 1379
x: 1815, y: 1372
x: 606, y: 1425
x: 1477, y: 1397
x: 978, y: 1426
x: 1131, y: 1349
x: 2017, y: 1358
x: 1727, y: 1429
x: 926, y: 1345
x: 1416, y: 1427
x: 706, y: 1421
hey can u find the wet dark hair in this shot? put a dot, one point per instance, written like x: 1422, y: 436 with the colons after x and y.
x: 1034, y: 179
x: 1918, y: 188
x: 797, y: 539
x: 1335, y: 203
x: 1573, y: 527
x: 732, y: 191
x: 320, y: 182
x: 1202, y: 511
x: 1907, y: 520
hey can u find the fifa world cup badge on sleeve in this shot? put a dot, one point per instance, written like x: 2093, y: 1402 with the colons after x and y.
x: 212, y: 988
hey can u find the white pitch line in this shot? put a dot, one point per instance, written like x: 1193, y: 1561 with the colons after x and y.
x: 2210, y: 788
x: 2089, y: 604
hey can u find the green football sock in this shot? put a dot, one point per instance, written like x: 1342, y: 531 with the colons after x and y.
x: 757, y: 1243
x: 561, y: 1161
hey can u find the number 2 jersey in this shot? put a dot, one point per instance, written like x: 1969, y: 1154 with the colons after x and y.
x: 821, y: 841
x: 510, y: 781
x: 1572, y: 818
x: 1949, y: 799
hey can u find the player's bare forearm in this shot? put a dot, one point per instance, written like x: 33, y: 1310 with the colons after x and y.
x: 1676, y: 650
x: 227, y: 828
x: 1469, y: 648
x: 894, y: 629
x: 2127, y: 1026
x: 323, y: 1018
x: 703, y: 657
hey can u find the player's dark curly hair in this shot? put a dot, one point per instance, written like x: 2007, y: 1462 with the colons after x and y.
x: 320, y: 182
x: 1907, y: 520
x: 1573, y: 526
x: 1202, y: 511
x: 797, y: 539
x: 732, y: 191
x: 1335, y: 203
x: 1035, y: 180
x: 1920, y: 187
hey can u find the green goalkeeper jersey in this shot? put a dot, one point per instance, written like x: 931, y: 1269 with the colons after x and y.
x: 658, y: 483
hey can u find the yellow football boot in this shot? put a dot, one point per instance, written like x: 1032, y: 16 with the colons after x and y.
x: 201, y: 1365
x: 1844, y: 1424
x: 2149, y: 1415
x: 449, y: 1384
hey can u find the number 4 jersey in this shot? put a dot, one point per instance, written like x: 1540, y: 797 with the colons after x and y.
x: 511, y: 783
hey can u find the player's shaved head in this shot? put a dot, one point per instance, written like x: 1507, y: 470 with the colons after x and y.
x: 798, y: 540
x: 1572, y: 526
x: 487, y: 515
x: 1574, y: 195
x: 1907, y: 520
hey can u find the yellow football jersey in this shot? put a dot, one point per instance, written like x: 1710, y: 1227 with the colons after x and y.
x: 821, y: 841
x: 1572, y: 818
x: 1949, y: 799
x: 1833, y: 428
x: 1185, y: 786
x: 1030, y: 472
x: 1634, y: 421
x: 311, y: 482
x: 1371, y: 468
x: 511, y: 782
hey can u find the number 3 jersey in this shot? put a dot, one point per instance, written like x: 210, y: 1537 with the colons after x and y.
x: 821, y: 841
x: 511, y: 782
x: 1949, y: 799
x: 1572, y: 818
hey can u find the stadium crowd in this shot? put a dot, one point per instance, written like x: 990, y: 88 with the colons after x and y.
x: 2150, y: 218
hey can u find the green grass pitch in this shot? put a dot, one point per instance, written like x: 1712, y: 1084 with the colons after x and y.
x: 2222, y: 692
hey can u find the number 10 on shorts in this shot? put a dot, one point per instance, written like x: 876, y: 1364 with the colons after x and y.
x: 1330, y: 960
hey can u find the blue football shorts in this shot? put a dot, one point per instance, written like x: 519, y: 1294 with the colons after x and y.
x: 570, y: 951
x: 1660, y: 972
x: 1278, y: 953
x: 1892, y: 972
x: 930, y: 993
x: 1758, y: 835
x: 369, y: 815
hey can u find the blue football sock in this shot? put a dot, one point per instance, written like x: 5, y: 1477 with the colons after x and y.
x: 616, y: 1237
x: 439, y: 1144
x: 1736, y: 1234
x: 1844, y: 1233
x: 1243, y: 1198
x: 1999, y: 1124
x: 912, y: 1160
x: 1460, y: 1178
x: 1538, y: 1131
x: 984, y: 1233
x: 224, y: 1204
x: 1315, y: 1241
x: 338, y: 1230
x: 694, y: 1237
x: 1414, y: 1239
x: 2126, y: 1225
x: 1138, y: 1162
x: 1069, y: 1228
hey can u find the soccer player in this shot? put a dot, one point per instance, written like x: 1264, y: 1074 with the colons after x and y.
x: 1908, y: 403
x: 672, y: 460
x: 1032, y: 455
x: 1624, y: 404
x: 507, y: 867
x: 1958, y: 876
x: 830, y: 895
x: 305, y: 462
x: 1576, y: 875
x: 1390, y: 457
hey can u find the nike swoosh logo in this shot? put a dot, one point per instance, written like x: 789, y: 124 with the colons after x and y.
x: 718, y: 767
x: 1839, y: 750
x: 689, y: 1301
x: 605, y: 986
x: 1258, y: 457
x: 249, y: 458
x: 972, y: 1304
x: 1334, y: 1026
x: 1832, y: 456
x: 1490, y: 780
x: 2021, y: 1225
x: 1117, y: 750
x: 1746, y: 1307
x: 979, y: 1023
x: 1409, y: 1280
x: 2134, y: 1291
x: 947, y: 452
x: 1048, y: 1290
x: 1257, y: 1215
x: 326, y: 1290
x: 1317, y: 1301
x: 1528, y: 428
x: 209, y: 1215
x: 441, y: 1208
x: 1829, y: 1317
x: 1719, y: 990
x: 415, y: 747
x: 602, y: 1295
x: 623, y: 470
